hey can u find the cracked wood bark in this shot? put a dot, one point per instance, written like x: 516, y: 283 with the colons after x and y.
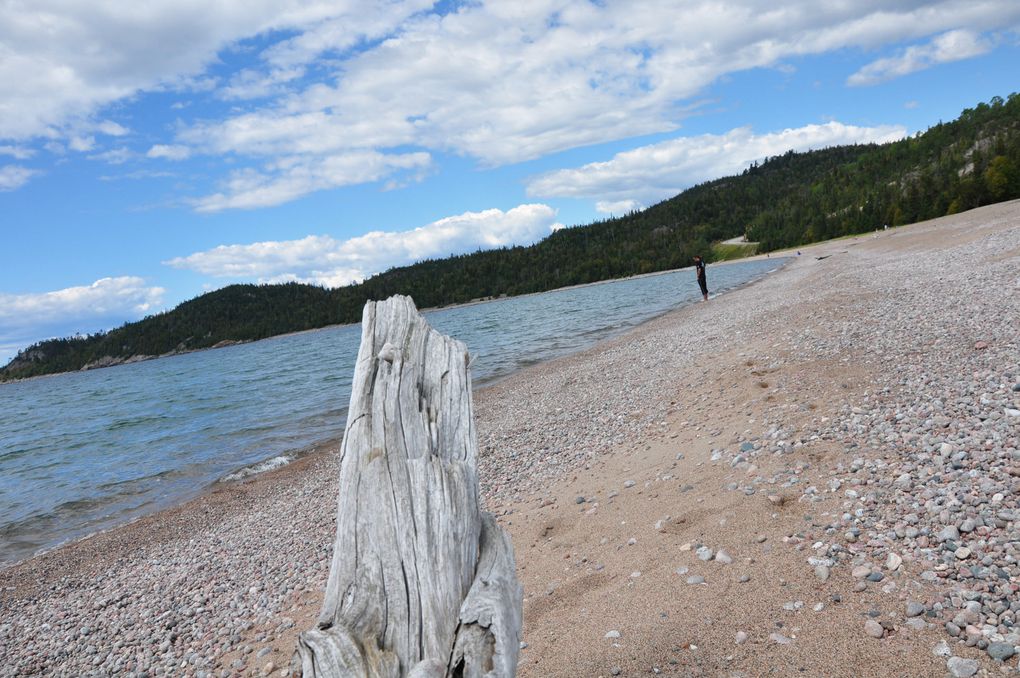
x: 422, y: 583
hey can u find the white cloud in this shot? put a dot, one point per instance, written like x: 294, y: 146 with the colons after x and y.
x: 326, y: 261
x: 294, y: 177
x: 17, y: 152
x: 13, y: 177
x: 115, y: 156
x: 170, y: 152
x: 137, y: 174
x: 652, y: 173
x: 496, y: 81
x: 82, y: 144
x: 287, y: 61
x: 112, y: 129
x: 506, y: 82
x: 127, y: 295
x: 27, y: 318
x: 951, y: 46
x: 61, y: 62
x: 618, y: 207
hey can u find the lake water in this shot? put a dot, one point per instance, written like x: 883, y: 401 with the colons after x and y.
x: 85, y: 451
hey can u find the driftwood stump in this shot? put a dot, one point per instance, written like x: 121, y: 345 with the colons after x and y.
x: 422, y: 582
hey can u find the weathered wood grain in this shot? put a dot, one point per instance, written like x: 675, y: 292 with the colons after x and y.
x: 422, y: 582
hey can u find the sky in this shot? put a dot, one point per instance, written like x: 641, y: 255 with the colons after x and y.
x: 150, y: 152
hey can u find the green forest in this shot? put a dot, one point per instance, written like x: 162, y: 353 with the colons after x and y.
x: 785, y: 201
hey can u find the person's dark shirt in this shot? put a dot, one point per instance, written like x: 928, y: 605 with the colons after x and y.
x: 700, y: 265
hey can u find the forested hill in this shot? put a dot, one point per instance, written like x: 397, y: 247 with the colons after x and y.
x: 786, y: 201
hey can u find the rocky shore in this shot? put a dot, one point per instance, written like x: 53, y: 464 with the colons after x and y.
x: 815, y: 475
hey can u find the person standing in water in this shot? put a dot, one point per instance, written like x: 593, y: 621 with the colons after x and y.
x: 699, y: 267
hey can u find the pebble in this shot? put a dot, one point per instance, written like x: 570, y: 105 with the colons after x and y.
x: 1000, y: 651
x: 873, y: 629
x: 962, y: 668
x: 704, y: 553
x: 779, y: 639
x: 723, y: 557
x: 612, y: 634
x: 915, y: 609
x: 822, y: 573
x: 695, y: 579
x: 741, y: 638
x: 860, y: 572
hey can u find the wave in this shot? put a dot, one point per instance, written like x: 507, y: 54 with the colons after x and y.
x: 260, y: 467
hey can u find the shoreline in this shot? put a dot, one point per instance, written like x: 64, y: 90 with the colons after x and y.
x: 320, y: 446
x: 228, y: 343
x: 713, y: 410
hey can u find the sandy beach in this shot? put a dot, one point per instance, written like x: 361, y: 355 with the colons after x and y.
x: 814, y: 475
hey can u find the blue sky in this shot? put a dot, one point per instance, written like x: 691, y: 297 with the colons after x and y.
x: 152, y: 151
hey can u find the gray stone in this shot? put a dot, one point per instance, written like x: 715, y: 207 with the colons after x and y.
x: 779, y: 639
x: 860, y: 572
x: 949, y: 533
x: 873, y: 629
x: 1001, y: 651
x: 915, y: 609
x: 962, y: 668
